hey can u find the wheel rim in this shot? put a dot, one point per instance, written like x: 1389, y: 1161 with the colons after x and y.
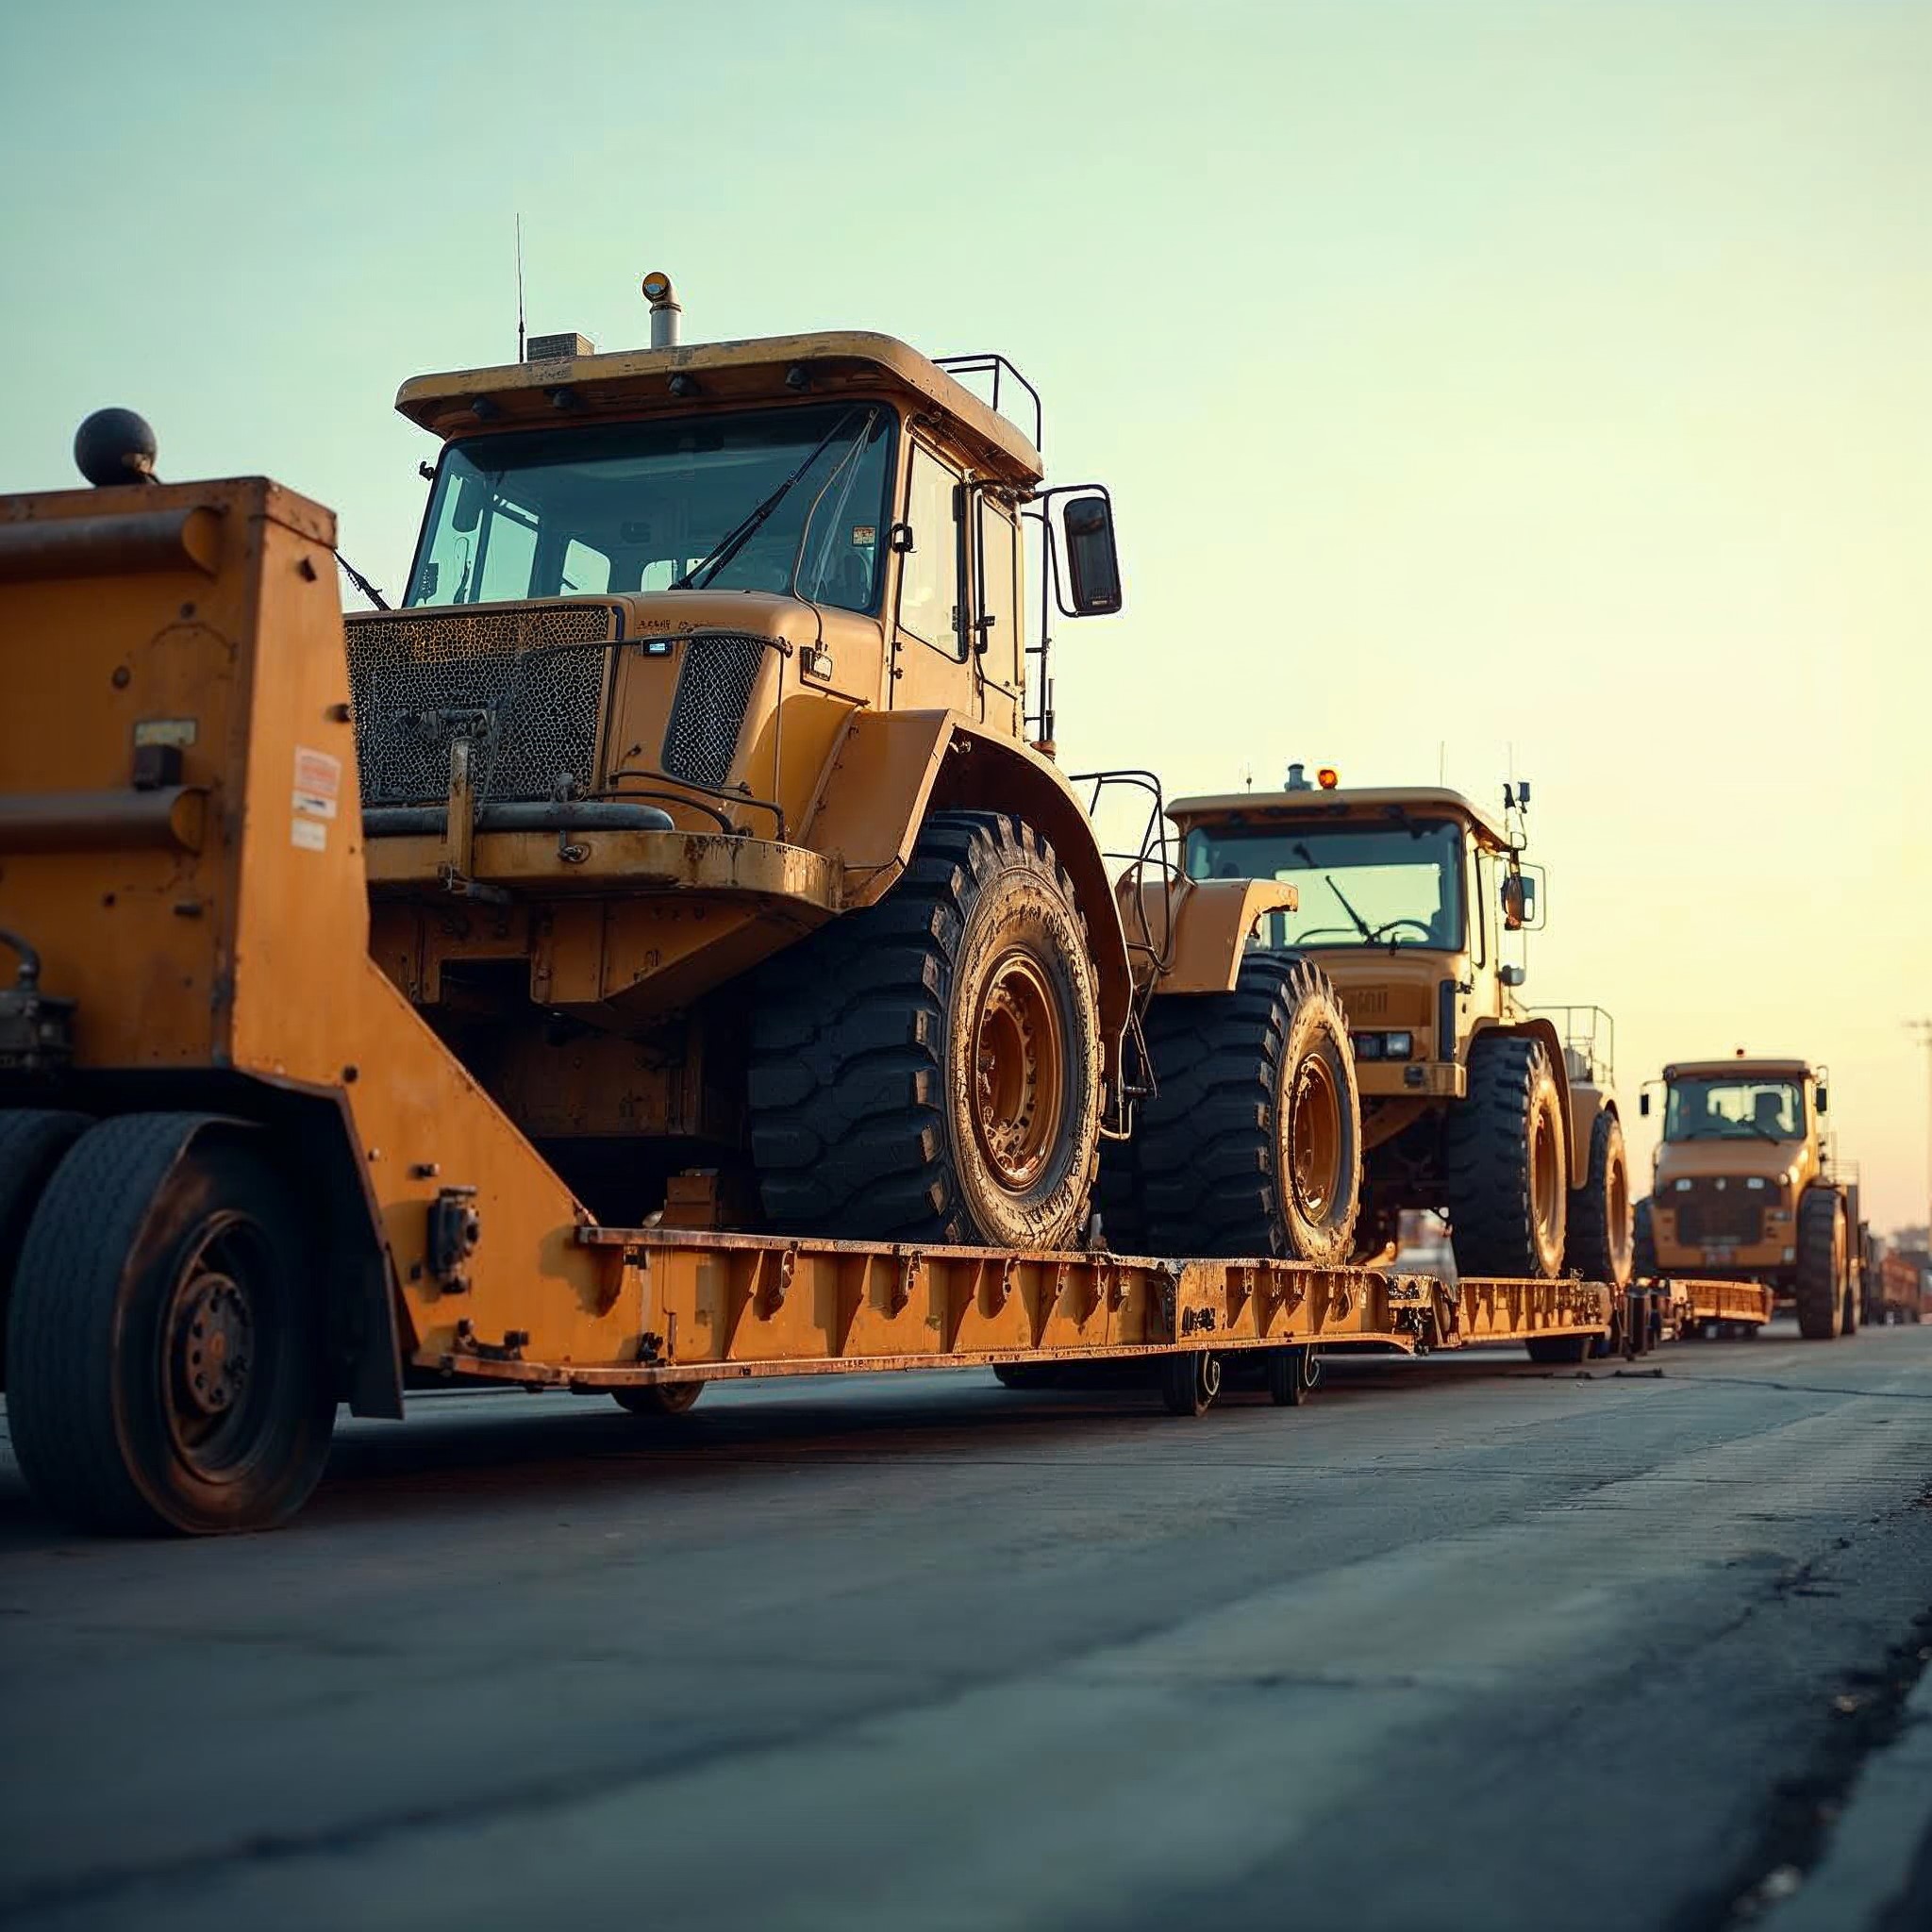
x: 216, y: 1383
x: 1209, y: 1383
x: 1018, y: 1072
x: 1546, y: 1177
x: 1315, y: 1138
x: 1618, y: 1193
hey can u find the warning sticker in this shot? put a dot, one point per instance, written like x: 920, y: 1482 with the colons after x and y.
x: 165, y: 731
x: 319, y: 771
x: 311, y: 835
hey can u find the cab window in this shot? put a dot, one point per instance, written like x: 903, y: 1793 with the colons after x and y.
x: 999, y: 594
x: 930, y: 579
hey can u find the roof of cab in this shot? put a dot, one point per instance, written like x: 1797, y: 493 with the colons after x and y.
x: 1362, y: 801
x: 1738, y: 1068
x: 632, y: 383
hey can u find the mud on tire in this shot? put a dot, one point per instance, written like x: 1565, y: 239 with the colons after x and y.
x: 1254, y: 1143
x: 1600, y: 1244
x: 1508, y: 1182
x: 929, y: 1069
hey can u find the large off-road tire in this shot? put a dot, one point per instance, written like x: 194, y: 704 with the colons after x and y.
x: 1600, y: 1240
x: 1505, y: 1169
x: 167, y: 1335
x: 33, y: 1142
x: 1643, y: 1241
x: 1254, y: 1143
x: 929, y: 1069
x: 1818, y: 1292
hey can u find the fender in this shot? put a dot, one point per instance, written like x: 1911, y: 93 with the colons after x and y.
x: 890, y: 769
x: 1213, y: 920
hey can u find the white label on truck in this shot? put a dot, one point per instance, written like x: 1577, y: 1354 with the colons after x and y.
x: 165, y: 731
x: 317, y: 783
x: 311, y: 835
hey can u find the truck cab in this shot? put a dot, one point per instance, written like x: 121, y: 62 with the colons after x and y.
x: 1410, y: 898
x: 1742, y: 1141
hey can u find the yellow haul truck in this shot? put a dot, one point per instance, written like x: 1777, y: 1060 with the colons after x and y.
x: 545, y: 983
x: 1472, y: 1104
x: 1745, y: 1205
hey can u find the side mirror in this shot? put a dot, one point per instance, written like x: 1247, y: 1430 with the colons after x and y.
x: 1643, y: 1103
x: 1825, y: 1100
x: 1519, y: 900
x: 1093, y: 565
x: 472, y: 492
x: 1511, y: 976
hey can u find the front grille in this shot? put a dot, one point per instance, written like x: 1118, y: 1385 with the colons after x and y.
x: 1708, y: 1214
x: 525, y: 683
x: 714, y: 688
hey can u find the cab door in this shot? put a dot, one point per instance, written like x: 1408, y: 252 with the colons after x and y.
x: 932, y: 665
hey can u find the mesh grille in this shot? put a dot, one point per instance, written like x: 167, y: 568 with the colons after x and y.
x: 531, y: 682
x: 721, y: 670
x: 1705, y: 1214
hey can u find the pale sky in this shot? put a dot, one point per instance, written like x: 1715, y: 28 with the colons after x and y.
x: 1468, y: 374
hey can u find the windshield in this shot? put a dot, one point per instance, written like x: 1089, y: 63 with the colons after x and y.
x: 634, y: 506
x: 1360, y: 884
x: 1735, y: 1110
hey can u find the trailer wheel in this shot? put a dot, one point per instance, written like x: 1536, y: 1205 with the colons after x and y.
x: 1505, y: 1172
x: 1027, y: 1376
x: 1254, y: 1143
x: 1818, y: 1292
x: 1601, y: 1238
x: 1560, y: 1351
x: 168, y: 1336
x: 1189, y: 1381
x: 1294, y: 1375
x: 928, y: 1069
x: 657, y: 1399
x: 1643, y: 1241
x: 32, y: 1143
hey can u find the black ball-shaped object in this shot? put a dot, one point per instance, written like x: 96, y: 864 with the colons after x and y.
x: 114, y: 446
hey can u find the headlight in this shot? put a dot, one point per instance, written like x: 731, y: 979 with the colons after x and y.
x: 1399, y: 1047
x: 1683, y: 1187
x: 1756, y: 1180
x: 1368, y: 1046
x: 1784, y: 1180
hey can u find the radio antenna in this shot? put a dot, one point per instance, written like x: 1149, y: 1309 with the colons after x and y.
x: 520, y: 288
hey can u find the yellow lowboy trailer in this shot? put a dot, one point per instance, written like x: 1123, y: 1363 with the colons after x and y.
x: 244, y: 1178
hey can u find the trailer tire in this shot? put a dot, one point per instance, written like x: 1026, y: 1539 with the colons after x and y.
x: 1294, y: 1375
x: 33, y: 1141
x: 1600, y: 1242
x: 1643, y: 1241
x: 929, y: 1068
x: 1027, y: 1376
x: 168, y: 1336
x: 1505, y: 1168
x: 1254, y: 1143
x: 1189, y: 1381
x: 658, y: 1401
x: 1561, y: 1351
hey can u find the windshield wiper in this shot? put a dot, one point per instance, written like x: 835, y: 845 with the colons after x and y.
x: 735, y: 538
x: 1300, y: 849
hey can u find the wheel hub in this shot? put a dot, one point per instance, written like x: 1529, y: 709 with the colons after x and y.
x: 1019, y: 1078
x: 214, y: 1338
x: 1315, y: 1146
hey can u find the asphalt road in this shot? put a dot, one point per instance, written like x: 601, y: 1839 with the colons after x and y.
x: 1464, y: 1643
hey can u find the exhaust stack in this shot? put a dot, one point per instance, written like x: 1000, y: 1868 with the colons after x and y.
x: 665, y: 311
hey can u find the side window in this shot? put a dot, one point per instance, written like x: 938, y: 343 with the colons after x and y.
x: 929, y: 580
x: 586, y: 571
x: 999, y: 595
x: 1479, y: 926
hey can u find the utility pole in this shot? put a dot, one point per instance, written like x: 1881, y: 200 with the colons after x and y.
x: 1923, y: 1028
